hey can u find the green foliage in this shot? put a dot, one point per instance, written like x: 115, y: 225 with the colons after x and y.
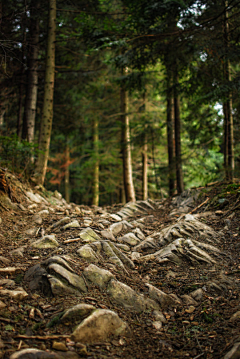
x: 17, y: 155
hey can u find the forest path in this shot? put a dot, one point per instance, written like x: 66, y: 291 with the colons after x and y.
x: 164, y: 283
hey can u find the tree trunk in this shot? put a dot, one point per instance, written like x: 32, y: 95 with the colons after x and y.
x: 22, y: 75
x: 144, y: 158
x: 47, y: 114
x: 32, y: 75
x: 170, y: 134
x: 126, y: 149
x: 227, y: 106
x: 96, y: 163
x: 144, y: 168
x: 67, y: 174
x: 177, y: 127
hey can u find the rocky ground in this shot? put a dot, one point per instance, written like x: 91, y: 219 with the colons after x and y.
x: 145, y: 280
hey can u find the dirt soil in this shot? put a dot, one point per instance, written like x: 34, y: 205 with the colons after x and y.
x: 204, y: 333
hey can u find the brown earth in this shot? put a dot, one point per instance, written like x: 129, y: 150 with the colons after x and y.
x: 204, y: 333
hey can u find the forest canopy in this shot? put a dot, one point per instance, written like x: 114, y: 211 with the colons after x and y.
x: 113, y: 101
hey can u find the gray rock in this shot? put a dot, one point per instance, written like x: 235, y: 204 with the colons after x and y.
x: 18, y: 294
x: 32, y: 353
x: 36, y: 276
x: 44, y: 212
x: 58, y: 288
x: 99, y: 326
x: 68, y: 277
x: 123, y: 247
x: 97, y: 251
x: 157, y: 325
x: 4, y: 260
x: 115, y: 217
x: 73, y: 224
x: 97, y: 276
x: 60, y: 223
x: 59, y: 260
x: 77, y: 313
x: 126, y: 296
x: 17, y: 252
x: 187, y: 300
x: 108, y: 235
x: 138, y: 233
x: 116, y: 228
x: 31, y: 231
x: 88, y: 235
x: 160, y: 297
x: 135, y: 256
x: 159, y: 316
x: 33, y: 197
x: 48, y: 241
x: 197, y: 294
x: 130, y: 239
x: 37, y: 219
x: 58, y: 195
x: 86, y: 252
x: 7, y: 283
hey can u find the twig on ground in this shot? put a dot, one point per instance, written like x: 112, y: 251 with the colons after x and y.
x: 42, y: 337
x: 200, y: 205
x: 72, y: 240
x: 199, y: 355
x: 235, y: 206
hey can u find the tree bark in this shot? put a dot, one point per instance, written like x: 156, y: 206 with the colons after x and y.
x: 126, y: 148
x: 170, y: 134
x: 32, y: 75
x: 144, y: 168
x: 144, y: 157
x: 47, y: 114
x: 22, y: 75
x: 96, y: 163
x: 177, y: 127
x: 67, y: 173
x: 227, y: 106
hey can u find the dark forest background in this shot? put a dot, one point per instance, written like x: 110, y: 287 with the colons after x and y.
x: 111, y: 101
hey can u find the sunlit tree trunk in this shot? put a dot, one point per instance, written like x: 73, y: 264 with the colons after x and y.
x: 170, y: 134
x: 177, y: 128
x: 32, y: 75
x: 67, y: 173
x: 227, y: 106
x: 47, y: 115
x: 96, y: 163
x: 126, y: 149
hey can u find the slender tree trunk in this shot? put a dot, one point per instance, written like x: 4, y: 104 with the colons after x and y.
x: 32, y: 75
x: 144, y: 168
x: 67, y: 173
x: 144, y: 158
x: 170, y: 134
x: 177, y: 121
x: 126, y: 149
x: 47, y: 115
x: 227, y: 106
x: 96, y: 164
x: 22, y: 75
x: 2, y: 112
